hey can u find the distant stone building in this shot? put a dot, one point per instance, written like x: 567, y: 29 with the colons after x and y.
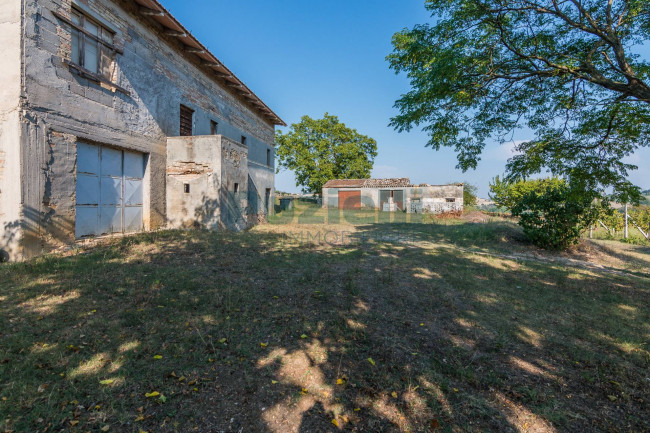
x: 115, y: 119
x: 392, y: 195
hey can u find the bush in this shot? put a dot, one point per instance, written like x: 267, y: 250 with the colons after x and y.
x: 552, y: 212
x: 507, y: 194
x: 555, y: 216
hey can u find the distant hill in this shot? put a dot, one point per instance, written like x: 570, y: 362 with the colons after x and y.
x: 646, y: 192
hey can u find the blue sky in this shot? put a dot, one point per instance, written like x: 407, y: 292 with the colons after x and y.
x: 306, y: 57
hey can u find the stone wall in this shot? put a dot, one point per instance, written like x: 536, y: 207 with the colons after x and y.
x: 61, y: 106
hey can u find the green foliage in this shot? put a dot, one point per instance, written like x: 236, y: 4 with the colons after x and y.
x: 555, y: 215
x: 641, y: 216
x: 507, y: 194
x: 565, y: 70
x: 552, y: 212
x: 470, y: 197
x: 615, y: 219
x: 318, y: 150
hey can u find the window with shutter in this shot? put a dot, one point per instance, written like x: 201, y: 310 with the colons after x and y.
x: 186, y: 121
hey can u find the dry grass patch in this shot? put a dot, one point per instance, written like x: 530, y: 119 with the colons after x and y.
x: 261, y: 332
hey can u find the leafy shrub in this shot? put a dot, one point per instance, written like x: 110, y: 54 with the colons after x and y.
x: 552, y: 212
x: 507, y: 194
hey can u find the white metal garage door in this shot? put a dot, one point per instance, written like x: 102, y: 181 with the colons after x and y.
x: 109, y: 190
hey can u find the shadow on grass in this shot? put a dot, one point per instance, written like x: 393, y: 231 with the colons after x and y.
x: 617, y: 249
x: 255, y: 332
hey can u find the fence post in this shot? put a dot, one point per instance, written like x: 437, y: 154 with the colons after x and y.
x: 605, y: 227
x: 626, y: 222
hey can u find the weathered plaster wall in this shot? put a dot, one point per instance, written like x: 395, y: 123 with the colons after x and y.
x: 234, y: 170
x: 210, y: 166
x: 10, y: 91
x: 330, y: 197
x: 433, y: 199
x: 428, y: 198
x: 262, y: 178
x: 193, y: 161
x: 60, y: 103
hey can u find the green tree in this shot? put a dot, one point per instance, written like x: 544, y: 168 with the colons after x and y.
x: 565, y: 69
x: 507, y: 194
x: 470, y: 197
x: 318, y: 150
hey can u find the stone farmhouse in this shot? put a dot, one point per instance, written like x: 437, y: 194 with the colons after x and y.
x: 115, y: 119
x: 392, y: 195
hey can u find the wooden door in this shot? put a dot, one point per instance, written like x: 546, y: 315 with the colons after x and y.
x: 349, y: 199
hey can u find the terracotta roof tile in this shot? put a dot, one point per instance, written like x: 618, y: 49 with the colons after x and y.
x: 368, y: 183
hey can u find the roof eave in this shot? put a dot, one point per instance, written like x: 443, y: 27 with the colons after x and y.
x: 153, y: 10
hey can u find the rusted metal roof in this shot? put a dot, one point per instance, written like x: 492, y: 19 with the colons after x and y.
x: 152, y: 9
x: 368, y: 183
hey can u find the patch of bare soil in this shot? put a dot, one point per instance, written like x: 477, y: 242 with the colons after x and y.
x: 592, y: 252
x: 475, y: 217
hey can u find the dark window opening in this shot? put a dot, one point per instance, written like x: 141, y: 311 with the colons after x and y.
x: 186, y: 121
x: 236, y: 188
x: 268, y: 157
x: 451, y: 200
x: 214, y: 127
x: 243, y: 139
x: 267, y: 200
x: 92, y: 46
x: 186, y: 187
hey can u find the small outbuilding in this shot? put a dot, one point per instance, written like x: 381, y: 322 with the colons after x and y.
x: 392, y: 195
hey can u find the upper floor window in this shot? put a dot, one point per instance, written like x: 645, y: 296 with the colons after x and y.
x: 187, y: 115
x: 214, y: 127
x: 243, y: 139
x: 268, y: 157
x: 92, y: 46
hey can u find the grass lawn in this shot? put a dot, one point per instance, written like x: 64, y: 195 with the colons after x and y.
x: 446, y: 326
